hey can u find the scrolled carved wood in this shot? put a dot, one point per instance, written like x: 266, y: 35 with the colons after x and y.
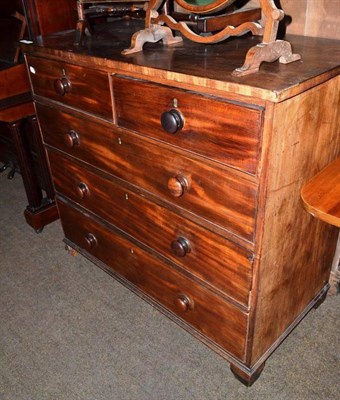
x: 157, y: 28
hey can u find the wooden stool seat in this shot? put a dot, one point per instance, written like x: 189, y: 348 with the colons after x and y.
x: 321, y: 195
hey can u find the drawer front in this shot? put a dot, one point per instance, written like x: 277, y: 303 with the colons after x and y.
x: 74, y: 86
x: 206, y: 312
x: 219, y: 130
x: 208, y: 256
x: 213, y: 193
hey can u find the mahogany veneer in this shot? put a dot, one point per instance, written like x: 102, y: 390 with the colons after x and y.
x: 183, y: 181
x: 321, y: 195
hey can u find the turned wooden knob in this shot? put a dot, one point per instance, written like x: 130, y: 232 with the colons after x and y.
x: 82, y: 190
x: 183, y: 303
x: 91, y: 241
x: 180, y: 247
x: 72, y: 139
x: 62, y: 86
x: 172, y: 121
x: 178, y: 185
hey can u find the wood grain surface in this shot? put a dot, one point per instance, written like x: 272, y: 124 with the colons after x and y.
x: 218, y: 319
x: 321, y: 195
x: 218, y: 194
x: 226, y: 132
x: 229, y: 188
x: 297, y: 250
x: 206, y: 68
x: 218, y: 262
x: 89, y: 89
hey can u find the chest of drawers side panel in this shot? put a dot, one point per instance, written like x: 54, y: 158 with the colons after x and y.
x: 296, y: 249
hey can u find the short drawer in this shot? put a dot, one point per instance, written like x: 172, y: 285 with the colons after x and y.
x: 207, y: 313
x: 220, y: 130
x: 192, y: 185
x: 210, y: 257
x: 74, y: 86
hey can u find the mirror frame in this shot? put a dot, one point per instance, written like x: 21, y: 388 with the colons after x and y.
x: 213, y: 6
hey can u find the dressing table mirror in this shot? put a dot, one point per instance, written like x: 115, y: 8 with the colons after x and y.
x: 212, y: 21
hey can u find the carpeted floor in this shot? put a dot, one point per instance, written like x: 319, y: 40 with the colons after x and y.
x: 68, y: 331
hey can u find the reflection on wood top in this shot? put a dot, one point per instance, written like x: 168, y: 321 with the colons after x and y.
x: 190, y: 64
x: 321, y: 195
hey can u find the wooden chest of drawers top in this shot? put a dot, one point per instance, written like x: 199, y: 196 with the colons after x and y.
x: 189, y: 65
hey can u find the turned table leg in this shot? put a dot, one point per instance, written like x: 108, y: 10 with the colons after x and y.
x: 42, y: 159
x: 40, y: 211
x: 33, y: 192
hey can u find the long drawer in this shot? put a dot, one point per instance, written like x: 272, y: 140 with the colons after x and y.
x: 207, y: 190
x: 226, y: 132
x: 208, y: 256
x: 72, y: 85
x: 207, y: 313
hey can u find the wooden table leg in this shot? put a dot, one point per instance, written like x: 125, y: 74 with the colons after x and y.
x: 41, y: 158
x: 33, y: 192
x: 40, y: 211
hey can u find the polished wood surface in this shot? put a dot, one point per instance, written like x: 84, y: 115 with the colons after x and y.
x: 83, y: 88
x: 131, y: 158
x: 20, y: 140
x: 218, y: 319
x: 196, y: 66
x: 17, y: 112
x: 186, y: 185
x: 295, y: 241
x: 47, y: 16
x: 321, y: 195
x: 232, y: 137
x: 14, y: 81
x: 230, y: 266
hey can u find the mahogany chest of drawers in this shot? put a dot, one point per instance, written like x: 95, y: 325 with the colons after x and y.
x: 183, y: 182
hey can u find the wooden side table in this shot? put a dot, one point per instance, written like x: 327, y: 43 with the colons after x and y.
x: 321, y: 198
x: 40, y: 210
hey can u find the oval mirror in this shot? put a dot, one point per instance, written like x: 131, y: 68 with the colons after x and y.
x: 204, y: 6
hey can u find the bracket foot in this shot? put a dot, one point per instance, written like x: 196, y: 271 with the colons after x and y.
x: 279, y: 50
x: 152, y: 35
x: 247, y: 378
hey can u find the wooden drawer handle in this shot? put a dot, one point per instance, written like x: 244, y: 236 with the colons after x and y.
x: 72, y: 139
x: 82, y: 190
x: 91, y: 241
x: 62, y: 86
x: 178, y: 185
x: 180, y: 247
x: 172, y: 121
x: 183, y: 303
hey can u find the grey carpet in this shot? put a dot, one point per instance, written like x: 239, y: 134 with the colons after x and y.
x: 69, y: 331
